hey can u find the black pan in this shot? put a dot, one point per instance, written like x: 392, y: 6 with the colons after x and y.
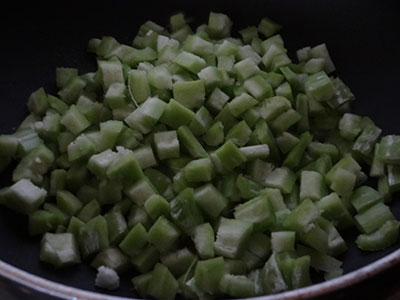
x: 363, y: 39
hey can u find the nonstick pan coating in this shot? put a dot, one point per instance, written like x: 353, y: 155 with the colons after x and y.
x: 362, y: 37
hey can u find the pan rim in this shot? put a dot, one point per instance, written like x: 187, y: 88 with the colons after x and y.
x: 45, y: 286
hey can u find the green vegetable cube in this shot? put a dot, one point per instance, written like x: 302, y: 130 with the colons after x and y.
x: 157, y: 206
x: 215, y: 135
x: 239, y: 134
x: 109, y: 132
x: 115, y: 96
x: 202, y: 122
x: 160, y: 181
x: 282, y: 179
x: 203, y: 238
x: 74, y: 120
x: 226, y: 118
x: 393, y: 178
x: 163, y: 234
x: 230, y: 156
x: 219, y: 25
x: 256, y: 211
x: 285, y: 120
x: 257, y: 250
x: 300, y: 276
x: 373, y: 218
x: 282, y: 241
x: 268, y: 27
x: 343, y: 182
x: 248, y: 34
x: 146, y: 259
x: 111, y: 72
x: 312, y: 186
x: 111, y: 258
x: 241, y: 104
x: 81, y: 149
x: 147, y: 115
x: 63, y: 75
x: 117, y: 227
x: 333, y: 209
x: 42, y: 221
x: 212, y: 77
x: 365, y: 143
x: 275, y: 198
x: 134, y: 241
x: 110, y: 191
x: 247, y: 188
x: 346, y: 163
x: 319, y: 86
x: 389, y: 149
x: 145, y: 156
x: 62, y: 218
x: 196, y: 45
x: 301, y: 219
x: 178, y: 262
x: 99, y: 163
x: 167, y: 144
x: 68, y: 203
x: 190, y: 142
x: 34, y: 165
x: 226, y: 62
x: 176, y: 115
x: 210, y: 200
x: 273, y: 53
x: 160, y: 78
x: 89, y: 211
x: 273, y: 107
x: 263, y: 135
x: 140, y: 191
x: 125, y: 167
x: 72, y: 90
x: 190, y: 62
x: 232, y: 236
x: 237, y: 286
x: 200, y: 170
x: 90, y: 109
x: 208, y: 275
x: 23, y: 196
x: 191, y: 94
x: 163, y: 284
x: 258, y: 87
x: 93, y: 236
x: 185, y: 212
x: 38, y: 102
x: 384, y: 237
x: 8, y: 144
x: 272, y: 279
x: 365, y: 197
x: 217, y: 100
x: 246, y: 68
x: 74, y: 226
x: 286, y: 142
x: 139, y: 85
x: 350, y: 126
x: 141, y: 283
x: 59, y: 249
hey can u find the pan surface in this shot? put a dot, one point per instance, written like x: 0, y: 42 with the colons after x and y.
x: 362, y: 37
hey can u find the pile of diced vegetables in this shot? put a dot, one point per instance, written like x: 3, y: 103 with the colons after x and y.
x: 212, y: 165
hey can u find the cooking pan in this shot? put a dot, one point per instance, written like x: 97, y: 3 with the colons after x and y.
x: 362, y: 37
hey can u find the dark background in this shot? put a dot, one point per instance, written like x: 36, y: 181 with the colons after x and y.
x: 362, y: 36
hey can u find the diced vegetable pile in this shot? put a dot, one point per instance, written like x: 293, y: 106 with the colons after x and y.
x: 213, y: 166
